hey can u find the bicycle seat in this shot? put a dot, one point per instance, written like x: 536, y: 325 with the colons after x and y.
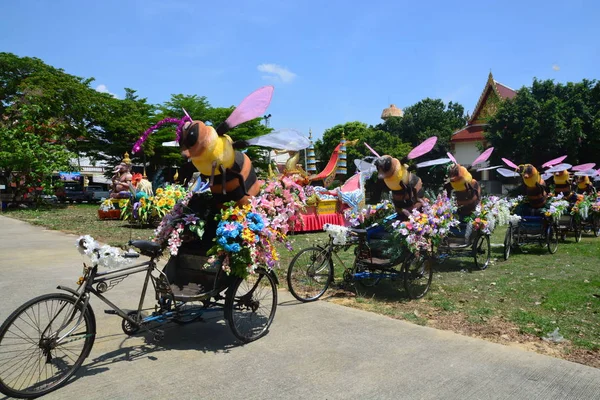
x: 147, y: 248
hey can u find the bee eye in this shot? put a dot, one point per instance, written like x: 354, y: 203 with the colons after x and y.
x: 189, y: 138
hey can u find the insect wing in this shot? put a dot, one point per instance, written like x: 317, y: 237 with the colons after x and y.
x: 589, y: 172
x: 510, y: 163
x: 546, y: 176
x: 488, y: 168
x: 372, y: 151
x: 553, y: 162
x: 451, y: 157
x: 584, y: 167
x: 433, y: 162
x: 364, y: 166
x: 423, y: 148
x: 507, y: 173
x: 253, y: 106
x: 483, y: 157
x: 284, y: 139
x: 559, y: 167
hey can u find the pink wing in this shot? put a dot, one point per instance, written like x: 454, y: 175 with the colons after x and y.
x: 423, y: 148
x: 553, y: 162
x: 451, y: 157
x: 510, y: 163
x: 583, y: 167
x: 253, y: 106
x: 483, y: 157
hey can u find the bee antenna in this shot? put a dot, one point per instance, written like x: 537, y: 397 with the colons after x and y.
x: 180, y: 123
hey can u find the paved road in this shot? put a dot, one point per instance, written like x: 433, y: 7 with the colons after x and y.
x: 313, y: 351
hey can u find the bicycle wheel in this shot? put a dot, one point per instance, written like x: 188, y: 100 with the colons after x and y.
x: 508, y: 242
x: 310, y: 273
x: 250, y: 306
x: 417, y: 276
x: 577, y: 230
x: 552, y: 239
x: 482, y: 252
x: 596, y: 225
x: 42, y: 345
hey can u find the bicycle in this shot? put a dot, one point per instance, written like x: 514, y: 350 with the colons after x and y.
x: 48, y: 338
x: 311, y: 271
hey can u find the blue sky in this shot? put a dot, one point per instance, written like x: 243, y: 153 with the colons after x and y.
x: 330, y: 61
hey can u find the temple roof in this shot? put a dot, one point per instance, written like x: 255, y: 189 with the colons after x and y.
x: 491, y: 86
x: 486, y: 106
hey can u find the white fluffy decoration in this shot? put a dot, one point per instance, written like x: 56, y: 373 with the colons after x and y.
x: 337, y: 232
x: 107, y: 256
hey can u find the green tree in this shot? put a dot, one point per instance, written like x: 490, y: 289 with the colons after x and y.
x: 31, y: 149
x: 548, y: 120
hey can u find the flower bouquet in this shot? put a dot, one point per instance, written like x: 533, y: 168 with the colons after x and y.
x: 107, y: 210
x: 245, y: 240
x: 582, y: 207
x: 371, y: 214
x: 425, y: 229
x: 491, y: 213
x: 555, y: 207
x: 280, y: 201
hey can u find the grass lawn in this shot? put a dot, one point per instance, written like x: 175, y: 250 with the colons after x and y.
x: 515, y: 302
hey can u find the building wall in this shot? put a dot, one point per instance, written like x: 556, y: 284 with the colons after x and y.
x: 466, y: 152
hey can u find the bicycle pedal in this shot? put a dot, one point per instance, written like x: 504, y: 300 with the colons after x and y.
x: 110, y: 312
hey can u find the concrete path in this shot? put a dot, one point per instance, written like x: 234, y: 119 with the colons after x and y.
x: 313, y: 351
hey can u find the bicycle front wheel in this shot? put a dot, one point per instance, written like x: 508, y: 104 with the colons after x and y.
x: 418, y: 273
x: 43, y: 343
x: 310, y: 273
x: 250, y: 305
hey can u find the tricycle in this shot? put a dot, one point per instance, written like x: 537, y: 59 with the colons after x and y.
x: 45, y: 341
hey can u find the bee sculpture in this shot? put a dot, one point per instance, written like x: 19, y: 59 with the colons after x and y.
x: 217, y: 157
x: 406, y: 187
x: 583, y: 174
x: 460, y: 181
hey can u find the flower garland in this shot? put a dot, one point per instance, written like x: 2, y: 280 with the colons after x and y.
x: 244, y: 241
x: 371, y: 214
x: 104, y: 256
x: 595, y: 205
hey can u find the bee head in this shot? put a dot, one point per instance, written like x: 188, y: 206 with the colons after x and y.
x: 195, y: 138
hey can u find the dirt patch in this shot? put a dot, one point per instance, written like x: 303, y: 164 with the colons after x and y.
x: 493, y: 329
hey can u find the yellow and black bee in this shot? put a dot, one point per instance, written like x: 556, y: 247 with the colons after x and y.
x: 562, y: 183
x: 585, y: 186
x: 406, y: 187
x: 213, y: 154
x: 534, y: 187
x: 466, y: 189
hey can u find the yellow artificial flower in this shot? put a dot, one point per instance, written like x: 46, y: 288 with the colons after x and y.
x: 159, y: 191
x: 161, y: 203
x: 169, y: 193
x: 123, y: 203
x: 143, y: 202
x: 171, y: 202
x: 248, y: 235
x: 177, y: 193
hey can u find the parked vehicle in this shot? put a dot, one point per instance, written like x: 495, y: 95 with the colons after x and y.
x: 73, y: 191
x: 98, y: 192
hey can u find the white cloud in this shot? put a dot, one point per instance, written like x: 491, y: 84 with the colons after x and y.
x: 276, y: 72
x: 556, y: 67
x: 103, y: 89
